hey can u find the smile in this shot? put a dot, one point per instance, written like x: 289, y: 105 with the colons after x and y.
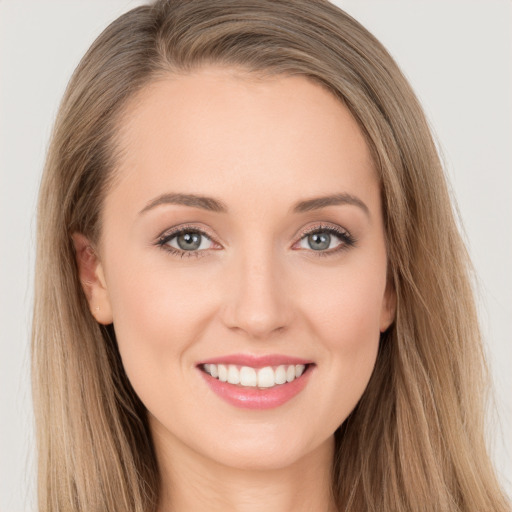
x: 247, y: 376
x: 254, y: 386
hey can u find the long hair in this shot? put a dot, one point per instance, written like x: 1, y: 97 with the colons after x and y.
x: 415, y: 441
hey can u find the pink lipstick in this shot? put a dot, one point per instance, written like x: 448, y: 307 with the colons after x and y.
x: 256, y: 382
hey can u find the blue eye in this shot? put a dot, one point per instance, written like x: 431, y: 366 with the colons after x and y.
x: 193, y: 242
x: 322, y: 240
x: 185, y: 242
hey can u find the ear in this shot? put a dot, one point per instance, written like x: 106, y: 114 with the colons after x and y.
x: 92, y: 278
x: 388, y: 312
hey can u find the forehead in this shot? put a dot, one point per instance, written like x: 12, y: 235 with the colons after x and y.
x: 220, y: 132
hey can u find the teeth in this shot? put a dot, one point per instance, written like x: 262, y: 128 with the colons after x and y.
x: 266, y: 377
x: 248, y: 376
x: 281, y: 375
x: 223, y: 373
x: 233, y: 374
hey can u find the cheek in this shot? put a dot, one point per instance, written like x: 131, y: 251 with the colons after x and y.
x: 349, y: 310
x: 157, y: 315
x: 347, y: 322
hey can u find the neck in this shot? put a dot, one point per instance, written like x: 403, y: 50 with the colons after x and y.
x: 190, y: 481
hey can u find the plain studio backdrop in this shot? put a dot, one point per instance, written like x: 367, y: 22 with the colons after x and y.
x: 458, y: 57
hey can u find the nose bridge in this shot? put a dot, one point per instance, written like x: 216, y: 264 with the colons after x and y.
x: 258, y: 303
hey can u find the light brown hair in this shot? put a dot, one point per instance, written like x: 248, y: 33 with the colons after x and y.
x: 415, y: 442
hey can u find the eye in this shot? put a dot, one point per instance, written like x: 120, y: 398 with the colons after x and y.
x: 326, y: 240
x: 186, y: 242
x: 193, y: 242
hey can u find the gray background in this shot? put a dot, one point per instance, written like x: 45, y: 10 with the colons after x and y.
x: 458, y: 57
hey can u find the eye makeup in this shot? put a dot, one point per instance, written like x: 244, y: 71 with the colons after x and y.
x: 346, y: 240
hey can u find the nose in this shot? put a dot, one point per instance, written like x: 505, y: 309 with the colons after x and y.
x: 258, y: 301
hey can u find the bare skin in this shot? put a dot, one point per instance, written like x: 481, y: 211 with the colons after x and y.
x: 257, y: 283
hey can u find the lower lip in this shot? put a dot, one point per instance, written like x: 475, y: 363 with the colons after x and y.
x: 256, y: 398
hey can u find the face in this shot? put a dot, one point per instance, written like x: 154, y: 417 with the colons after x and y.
x: 283, y: 264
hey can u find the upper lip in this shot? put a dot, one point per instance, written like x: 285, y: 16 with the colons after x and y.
x: 256, y: 361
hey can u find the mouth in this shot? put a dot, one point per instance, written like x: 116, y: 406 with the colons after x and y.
x: 256, y: 382
x: 250, y: 377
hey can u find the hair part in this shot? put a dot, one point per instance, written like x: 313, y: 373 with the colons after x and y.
x: 416, y: 439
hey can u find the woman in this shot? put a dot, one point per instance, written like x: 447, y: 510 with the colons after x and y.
x: 241, y: 299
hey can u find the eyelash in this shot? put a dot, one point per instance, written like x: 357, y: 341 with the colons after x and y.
x: 346, y: 238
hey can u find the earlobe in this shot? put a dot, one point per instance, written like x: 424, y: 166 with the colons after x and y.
x: 92, y: 278
x: 388, y: 307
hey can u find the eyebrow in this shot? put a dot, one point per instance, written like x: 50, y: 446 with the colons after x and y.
x: 336, y: 199
x: 203, y: 202
x: 218, y: 206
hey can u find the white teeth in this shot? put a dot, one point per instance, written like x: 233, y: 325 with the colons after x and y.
x: 233, y: 374
x: 281, y: 375
x: 223, y: 373
x: 266, y: 377
x: 248, y: 376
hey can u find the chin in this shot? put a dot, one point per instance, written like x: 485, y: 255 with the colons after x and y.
x: 265, y: 452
